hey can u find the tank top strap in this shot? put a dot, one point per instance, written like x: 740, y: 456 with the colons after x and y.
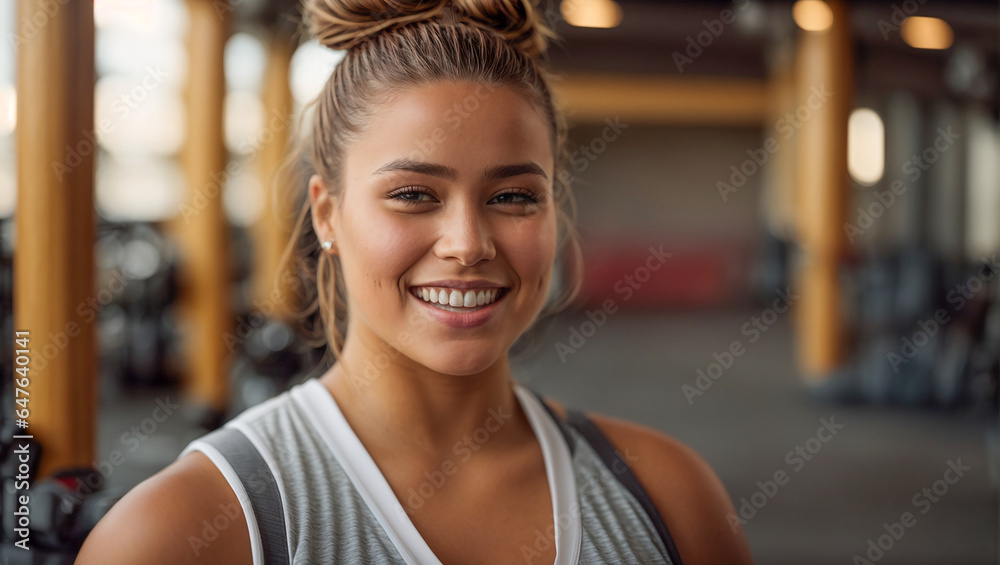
x: 612, y: 459
x: 619, y: 468
x: 563, y: 427
x: 260, y: 486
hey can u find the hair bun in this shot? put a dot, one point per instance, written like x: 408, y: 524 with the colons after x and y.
x: 517, y: 21
x: 342, y: 24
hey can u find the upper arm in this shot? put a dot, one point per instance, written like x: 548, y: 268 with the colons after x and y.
x: 186, y: 513
x: 686, y: 491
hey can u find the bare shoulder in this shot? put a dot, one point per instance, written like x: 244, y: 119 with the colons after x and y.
x: 186, y: 513
x: 690, y: 497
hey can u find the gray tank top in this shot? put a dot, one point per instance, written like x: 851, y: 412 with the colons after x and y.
x: 311, y: 494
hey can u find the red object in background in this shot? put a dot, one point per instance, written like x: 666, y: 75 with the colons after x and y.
x: 707, y: 276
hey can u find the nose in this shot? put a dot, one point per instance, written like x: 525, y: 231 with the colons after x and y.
x: 465, y: 236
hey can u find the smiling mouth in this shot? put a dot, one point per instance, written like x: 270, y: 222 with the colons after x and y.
x: 454, y: 300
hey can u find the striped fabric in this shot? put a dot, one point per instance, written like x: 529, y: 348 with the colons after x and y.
x: 303, y: 507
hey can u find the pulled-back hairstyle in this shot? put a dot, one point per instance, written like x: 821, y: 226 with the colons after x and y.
x: 394, y: 45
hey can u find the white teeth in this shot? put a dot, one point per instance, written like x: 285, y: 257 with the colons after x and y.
x: 457, y: 298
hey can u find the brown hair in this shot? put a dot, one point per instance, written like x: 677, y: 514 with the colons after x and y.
x: 394, y: 45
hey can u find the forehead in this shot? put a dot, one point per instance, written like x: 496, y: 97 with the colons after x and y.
x: 462, y: 125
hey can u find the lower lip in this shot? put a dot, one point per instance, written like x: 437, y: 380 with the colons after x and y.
x: 462, y: 319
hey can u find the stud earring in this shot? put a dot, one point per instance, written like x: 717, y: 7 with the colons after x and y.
x: 327, y: 245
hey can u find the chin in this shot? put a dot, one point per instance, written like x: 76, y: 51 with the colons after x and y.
x: 457, y: 359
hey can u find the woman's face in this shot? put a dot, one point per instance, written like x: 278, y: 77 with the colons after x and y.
x: 447, y: 197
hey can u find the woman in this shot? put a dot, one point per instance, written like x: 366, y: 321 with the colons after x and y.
x: 436, y: 210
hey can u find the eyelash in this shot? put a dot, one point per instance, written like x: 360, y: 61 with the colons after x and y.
x: 529, y: 196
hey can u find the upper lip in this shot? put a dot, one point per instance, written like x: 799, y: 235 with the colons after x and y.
x: 455, y: 283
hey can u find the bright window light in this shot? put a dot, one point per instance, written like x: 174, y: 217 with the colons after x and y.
x: 865, y: 146
x: 312, y: 64
x: 8, y: 109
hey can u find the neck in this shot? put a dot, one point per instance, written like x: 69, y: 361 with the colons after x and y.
x: 405, y: 405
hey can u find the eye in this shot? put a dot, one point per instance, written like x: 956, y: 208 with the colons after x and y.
x: 518, y: 197
x: 411, y: 195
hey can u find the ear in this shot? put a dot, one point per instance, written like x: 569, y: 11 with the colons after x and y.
x: 323, y: 207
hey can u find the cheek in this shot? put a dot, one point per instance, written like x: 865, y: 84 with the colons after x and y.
x: 383, y: 249
x: 531, y: 249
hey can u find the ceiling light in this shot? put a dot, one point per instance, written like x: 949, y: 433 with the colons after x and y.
x: 591, y: 13
x: 812, y: 15
x: 926, y: 33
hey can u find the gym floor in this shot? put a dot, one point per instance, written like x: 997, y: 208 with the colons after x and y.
x: 839, y: 494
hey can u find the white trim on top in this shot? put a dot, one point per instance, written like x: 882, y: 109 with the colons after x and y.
x: 562, y: 479
x: 256, y: 545
x: 275, y: 469
x: 366, y: 477
x: 364, y: 474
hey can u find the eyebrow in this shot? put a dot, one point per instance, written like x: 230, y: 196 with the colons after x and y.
x: 493, y: 173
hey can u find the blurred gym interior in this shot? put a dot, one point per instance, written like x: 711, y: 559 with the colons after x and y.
x: 789, y: 216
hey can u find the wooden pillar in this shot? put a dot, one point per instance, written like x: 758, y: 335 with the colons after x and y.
x: 202, y: 228
x: 273, y: 230
x: 824, y: 85
x: 54, y: 254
